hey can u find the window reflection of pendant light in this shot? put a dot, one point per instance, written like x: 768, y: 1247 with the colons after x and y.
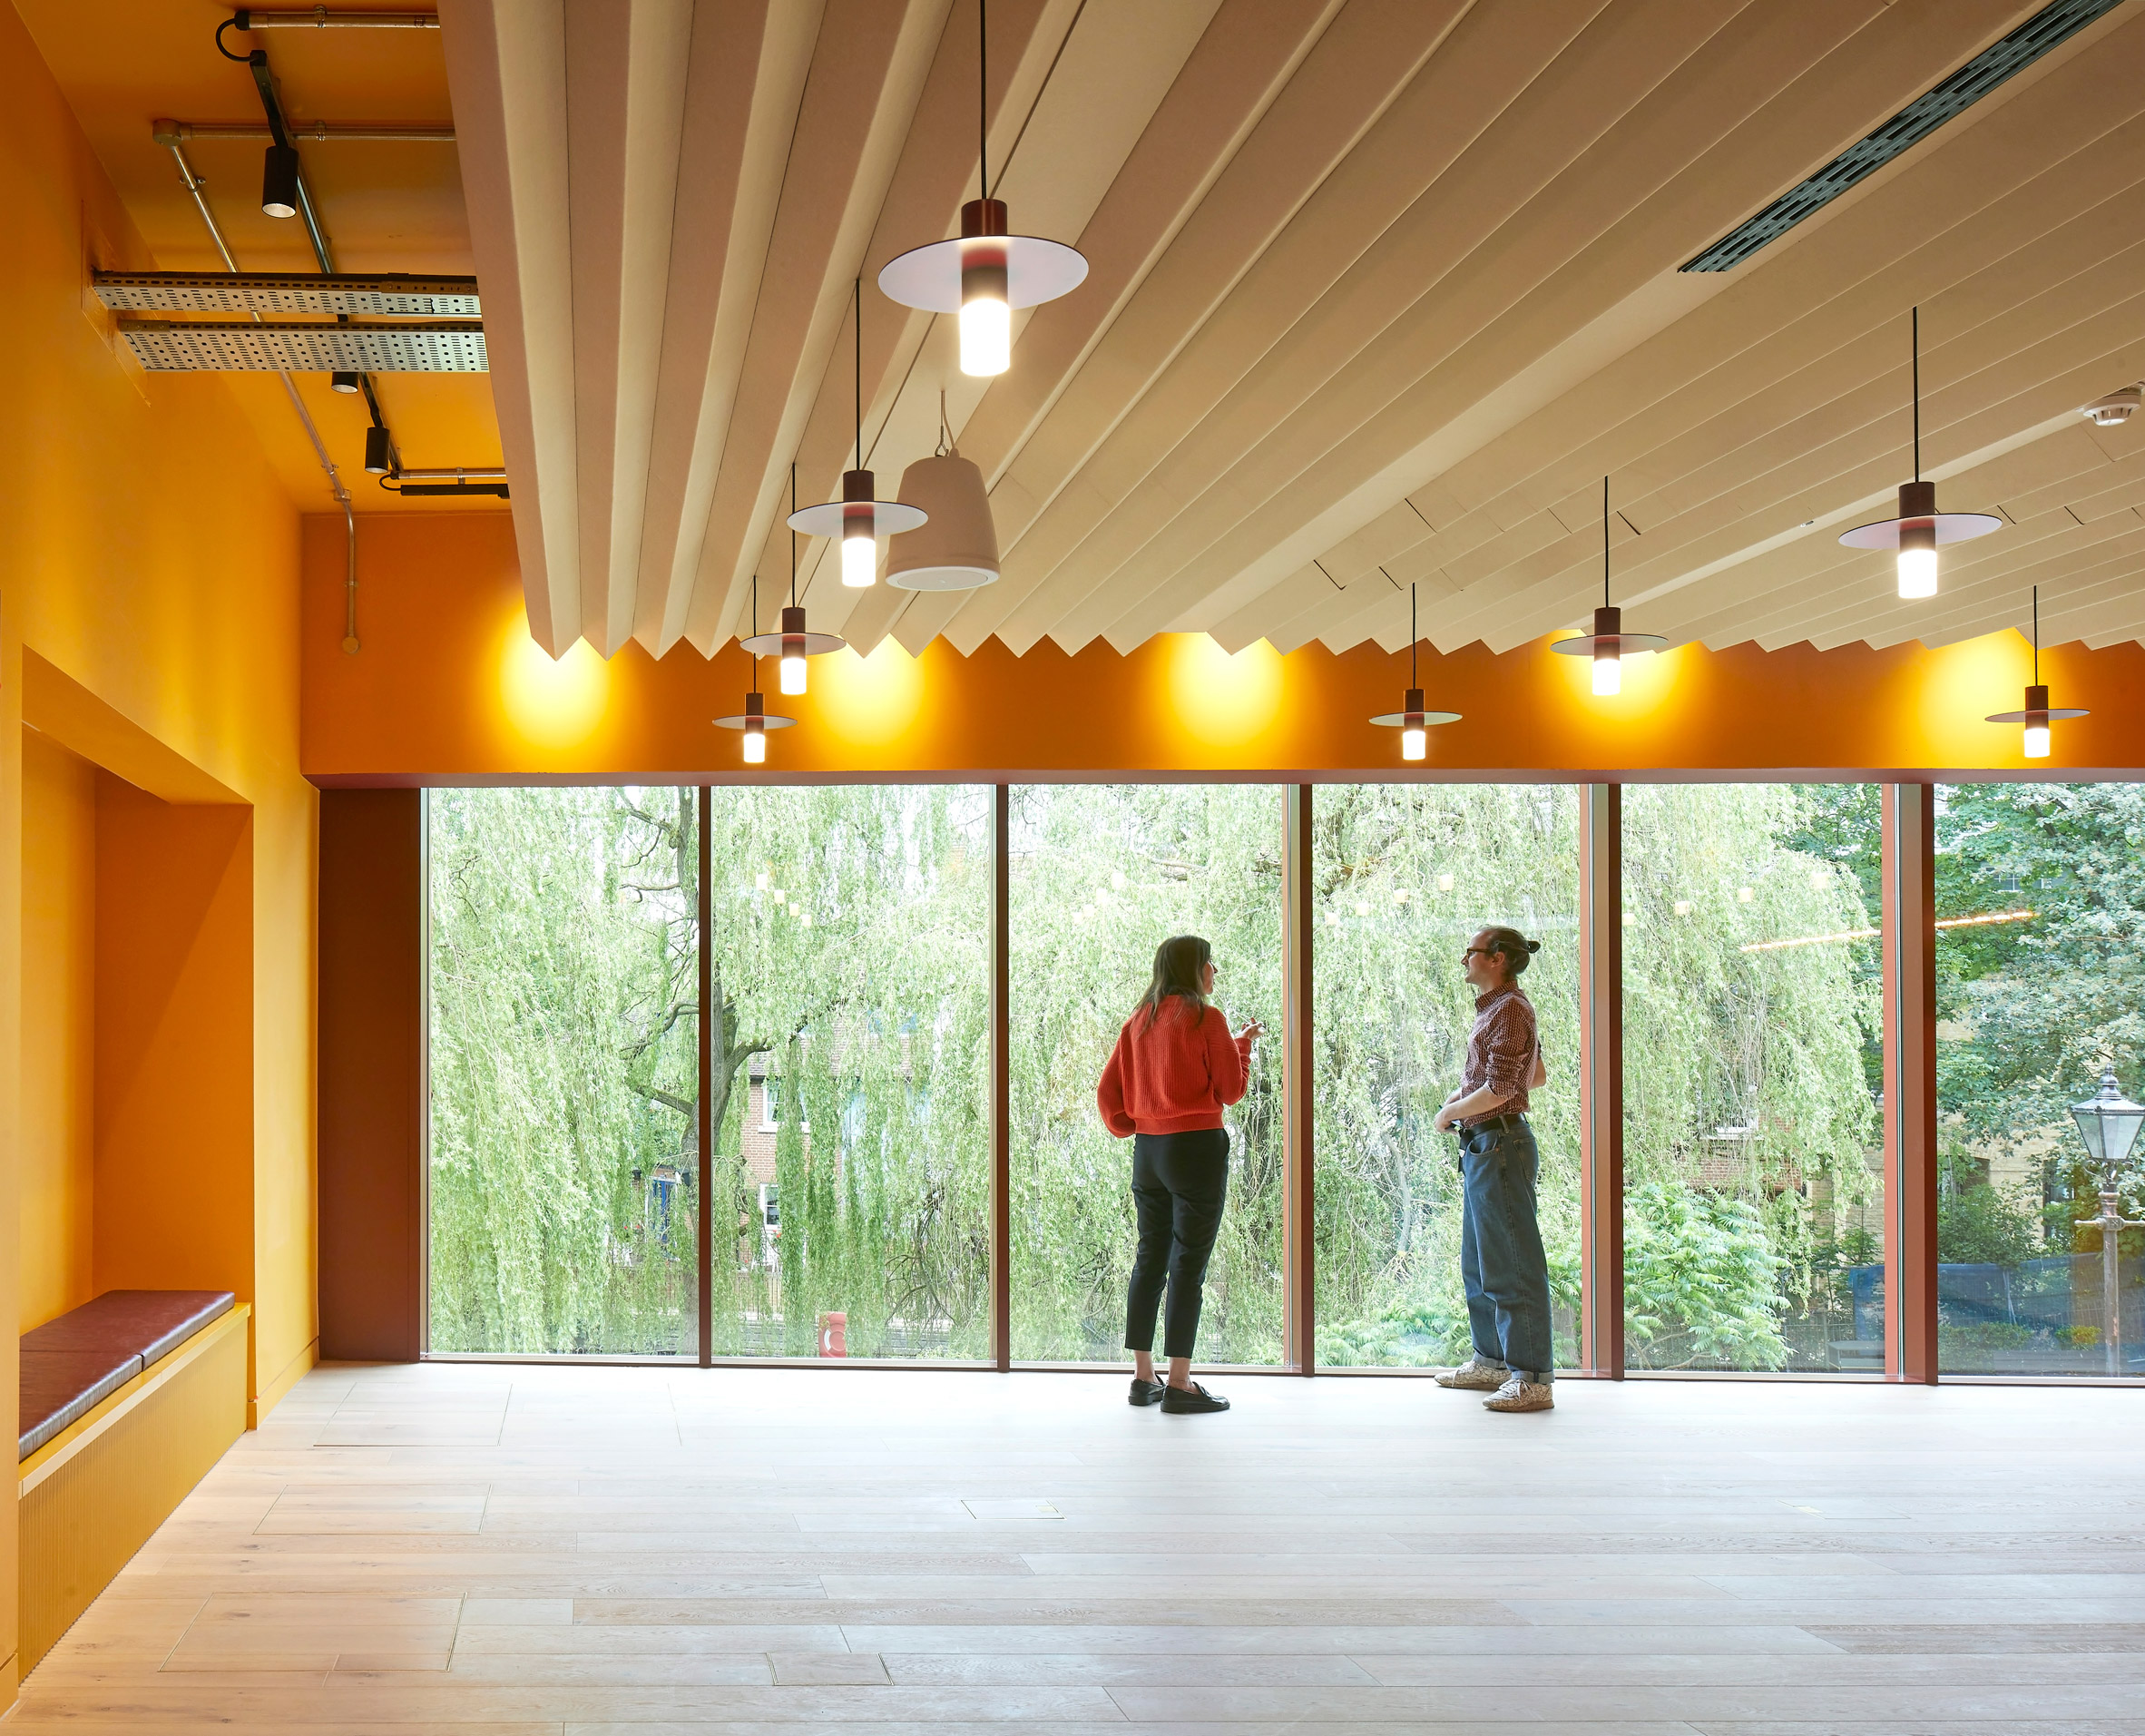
x: 958, y: 549
x: 755, y: 720
x: 985, y: 274
x: 1608, y: 645
x: 858, y: 518
x: 1920, y: 528
x: 793, y: 643
x: 1413, y: 722
x: 2036, y: 715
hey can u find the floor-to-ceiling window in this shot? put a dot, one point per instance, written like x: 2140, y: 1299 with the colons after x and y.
x: 2040, y: 991
x: 1100, y: 874
x: 562, y: 982
x: 1402, y: 876
x: 849, y: 936
x: 1752, y: 1073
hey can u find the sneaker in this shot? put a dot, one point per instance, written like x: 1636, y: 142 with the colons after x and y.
x: 1147, y: 1392
x: 1476, y: 1376
x: 1516, y: 1394
x: 1194, y: 1400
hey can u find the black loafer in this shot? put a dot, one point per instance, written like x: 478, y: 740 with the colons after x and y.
x: 1193, y: 1401
x: 1147, y: 1392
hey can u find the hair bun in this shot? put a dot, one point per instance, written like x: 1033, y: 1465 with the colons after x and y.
x: 1533, y: 945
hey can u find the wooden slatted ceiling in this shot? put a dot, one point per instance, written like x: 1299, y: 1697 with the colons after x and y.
x: 1379, y: 289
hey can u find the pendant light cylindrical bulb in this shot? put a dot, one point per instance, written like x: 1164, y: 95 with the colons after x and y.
x: 793, y: 669
x: 986, y: 314
x: 1917, y: 561
x: 860, y: 556
x: 1608, y: 673
x: 755, y: 739
x: 2036, y: 747
x: 1415, y: 742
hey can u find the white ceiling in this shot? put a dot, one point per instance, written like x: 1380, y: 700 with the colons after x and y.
x: 1379, y: 289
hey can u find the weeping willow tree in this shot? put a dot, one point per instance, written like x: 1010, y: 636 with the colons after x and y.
x: 564, y: 984
x: 852, y: 930
x: 1402, y: 876
x: 1747, y: 1010
x: 1101, y: 874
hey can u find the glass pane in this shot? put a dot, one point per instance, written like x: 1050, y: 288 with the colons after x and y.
x: 2040, y: 896
x: 1100, y: 875
x: 1753, y: 1069
x: 851, y: 1082
x: 564, y: 974
x: 1402, y: 875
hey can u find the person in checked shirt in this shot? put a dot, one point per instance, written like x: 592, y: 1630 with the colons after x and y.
x: 1502, y: 1264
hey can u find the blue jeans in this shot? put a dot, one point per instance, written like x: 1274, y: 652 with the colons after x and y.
x: 1501, y: 1258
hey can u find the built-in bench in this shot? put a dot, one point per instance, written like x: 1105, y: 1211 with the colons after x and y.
x: 126, y: 1402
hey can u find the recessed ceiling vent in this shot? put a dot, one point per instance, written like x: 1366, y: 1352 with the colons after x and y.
x: 2051, y: 25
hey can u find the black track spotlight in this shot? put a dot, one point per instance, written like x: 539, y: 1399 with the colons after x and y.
x: 279, y: 182
x: 379, y: 461
x: 343, y: 380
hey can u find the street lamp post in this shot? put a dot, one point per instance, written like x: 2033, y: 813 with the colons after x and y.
x: 2109, y: 1123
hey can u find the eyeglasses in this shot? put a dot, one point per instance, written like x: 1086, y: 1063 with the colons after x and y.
x: 1488, y: 952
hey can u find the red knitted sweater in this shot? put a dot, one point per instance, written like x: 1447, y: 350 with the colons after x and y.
x: 1175, y: 1075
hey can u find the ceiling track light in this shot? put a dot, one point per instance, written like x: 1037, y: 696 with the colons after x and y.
x: 793, y: 643
x: 1411, y: 720
x: 279, y: 181
x: 1920, y: 529
x: 859, y: 519
x: 986, y: 273
x: 1608, y: 645
x: 2036, y: 714
x: 755, y: 721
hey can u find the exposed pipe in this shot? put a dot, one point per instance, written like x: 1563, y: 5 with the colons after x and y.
x: 319, y: 132
x: 195, y: 187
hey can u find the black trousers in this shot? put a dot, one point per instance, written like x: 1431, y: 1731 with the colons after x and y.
x: 1178, y: 1183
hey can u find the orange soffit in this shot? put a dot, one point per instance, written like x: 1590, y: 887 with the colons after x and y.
x: 450, y: 687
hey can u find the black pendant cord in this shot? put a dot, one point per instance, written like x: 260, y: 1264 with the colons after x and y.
x: 859, y: 373
x: 1414, y: 638
x: 1915, y: 319
x: 753, y: 685
x: 2036, y: 635
x: 1604, y: 542
x: 983, y: 98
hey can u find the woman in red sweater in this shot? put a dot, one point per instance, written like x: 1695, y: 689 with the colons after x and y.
x: 1175, y: 1069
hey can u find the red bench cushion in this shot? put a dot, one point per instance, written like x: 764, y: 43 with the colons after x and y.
x: 74, y: 1363
x: 62, y: 1387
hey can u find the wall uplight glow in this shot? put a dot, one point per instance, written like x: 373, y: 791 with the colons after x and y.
x: 872, y: 699
x: 1218, y: 698
x: 552, y: 704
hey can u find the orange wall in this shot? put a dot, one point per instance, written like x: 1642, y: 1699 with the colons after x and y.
x: 147, y: 554
x: 58, y: 1088
x: 449, y: 686
x: 174, y: 1073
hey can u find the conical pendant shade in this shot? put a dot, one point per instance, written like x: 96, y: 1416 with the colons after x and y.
x: 956, y: 546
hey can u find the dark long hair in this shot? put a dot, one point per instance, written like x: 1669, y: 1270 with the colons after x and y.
x: 1179, y: 964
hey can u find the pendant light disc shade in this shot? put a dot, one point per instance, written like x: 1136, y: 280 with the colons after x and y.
x: 766, y: 719
x: 1950, y: 527
x: 888, y: 518
x: 2039, y: 714
x: 803, y: 643
x: 1412, y: 719
x: 929, y: 276
x: 957, y: 548
x: 1622, y: 645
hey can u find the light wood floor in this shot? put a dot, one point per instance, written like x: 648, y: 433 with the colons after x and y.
x: 526, y: 1549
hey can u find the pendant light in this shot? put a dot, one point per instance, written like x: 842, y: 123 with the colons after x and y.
x: 858, y: 518
x: 793, y: 643
x: 755, y: 720
x: 2035, y: 715
x: 1413, y: 722
x: 986, y: 273
x: 1608, y: 645
x: 1920, y: 528
x: 958, y: 549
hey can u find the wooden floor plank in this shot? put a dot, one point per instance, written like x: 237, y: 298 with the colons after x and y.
x: 504, y: 1550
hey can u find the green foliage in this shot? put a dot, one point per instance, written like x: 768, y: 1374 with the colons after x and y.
x: 1700, y: 1281
x: 1979, y: 1224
